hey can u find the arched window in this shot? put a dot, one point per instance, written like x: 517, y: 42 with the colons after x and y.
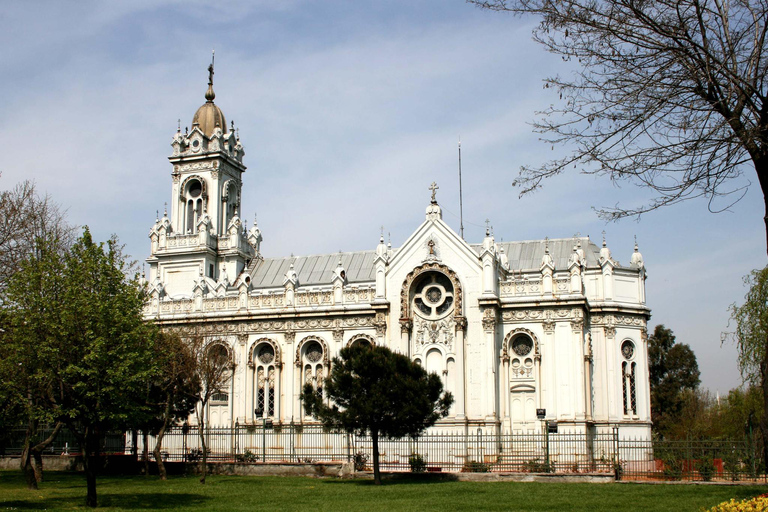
x: 192, y: 195
x: 521, y: 357
x: 628, y: 378
x: 433, y: 295
x: 312, y: 364
x: 264, y: 360
x: 230, y: 200
x: 217, y: 373
x: 362, y: 340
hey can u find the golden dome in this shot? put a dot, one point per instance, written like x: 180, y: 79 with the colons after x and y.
x: 209, y: 116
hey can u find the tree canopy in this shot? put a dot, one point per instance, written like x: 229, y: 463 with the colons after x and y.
x: 80, y: 316
x: 375, y: 391
x: 669, y: 95
x: 751, y: 337
x: 672, y: 371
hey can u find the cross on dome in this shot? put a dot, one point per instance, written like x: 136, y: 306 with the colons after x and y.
x: 434, y: 188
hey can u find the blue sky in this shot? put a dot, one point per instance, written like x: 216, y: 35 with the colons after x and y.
x: 347, y: 111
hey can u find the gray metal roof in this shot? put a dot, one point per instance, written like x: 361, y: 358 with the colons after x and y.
x: 527, y: 255
x: 314, y: 270
x: 318, y: 270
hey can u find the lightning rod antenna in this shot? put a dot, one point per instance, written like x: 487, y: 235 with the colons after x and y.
x: 461, y: 200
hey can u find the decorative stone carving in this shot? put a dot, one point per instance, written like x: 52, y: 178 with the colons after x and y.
x: 405, y: 307
x: 380, y: 323
x: 432, y: 332
x: 489, y: 320
x: 360, y: 338
x: 312, y: 339
x: 406, y: 324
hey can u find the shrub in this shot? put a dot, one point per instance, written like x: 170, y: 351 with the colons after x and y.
x: 248, y: 456
x: 473, y: 466
x: 537, y: 466
x: 673, y: 469
x: 360, y: 461
x: 706, y: 468
x: 417, y: 463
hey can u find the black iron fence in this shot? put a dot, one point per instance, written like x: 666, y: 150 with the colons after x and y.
x: 562, y: 453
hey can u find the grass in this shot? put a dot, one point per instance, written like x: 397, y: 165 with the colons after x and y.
x: 66, y: 491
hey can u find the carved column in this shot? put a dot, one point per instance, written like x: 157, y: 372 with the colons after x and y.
x: 577, y: 345
x: 588, y: 376
x: 489, y: 327
x: 549, y: 388
x: 406, y: 326
x: 461, y: 377
x: 505, y: 391
x: 613, y: 382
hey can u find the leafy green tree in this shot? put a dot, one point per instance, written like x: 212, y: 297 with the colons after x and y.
x: 174, y: 390
x: 31, y: 315
x: 213, y: 366
x: 31, y: 227
x: 82, y: 316
x: 672, y: 369
x: 375, y: 391
x: 669, y: 95
x: 751, y: 337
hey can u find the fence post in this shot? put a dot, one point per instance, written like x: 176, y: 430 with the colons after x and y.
x: 349, y: 451
x: 616, y: 451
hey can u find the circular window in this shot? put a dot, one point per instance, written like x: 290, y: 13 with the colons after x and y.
x: 628, y: 349
x: 522, y: 345
x: 314, y: 352
x: 195, y: 188
x: 433, y: 295
x: 266, y: 354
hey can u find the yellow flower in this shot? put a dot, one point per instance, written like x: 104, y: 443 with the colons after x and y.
x: 756, y: 504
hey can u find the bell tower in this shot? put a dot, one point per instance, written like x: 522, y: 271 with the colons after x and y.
x: 203, y: 244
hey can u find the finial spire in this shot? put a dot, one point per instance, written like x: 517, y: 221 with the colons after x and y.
x: 487, y: 227
x: 165, y: 209
x: 157, y: 216
x: 434, y: 188
x: 178, y: 128
x: 209, y: 94
x: 603, y: 238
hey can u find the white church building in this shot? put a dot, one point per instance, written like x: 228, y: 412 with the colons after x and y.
x: 510, y: 327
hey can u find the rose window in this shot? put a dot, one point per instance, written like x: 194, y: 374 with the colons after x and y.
x: 266, y: 354
x: 433, y: 295
x: 522, y: 345
x: 627, y: 349
x: 314, y: 352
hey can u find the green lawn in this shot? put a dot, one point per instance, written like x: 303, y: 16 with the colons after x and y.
x: 66, y: 491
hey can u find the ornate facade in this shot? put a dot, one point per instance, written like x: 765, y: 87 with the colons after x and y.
x: 511, y: 327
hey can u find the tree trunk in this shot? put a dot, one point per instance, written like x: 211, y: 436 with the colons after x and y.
x: 761, y: 166
x: 37, y: 457
x: 25, y: 462
x: 145, y: 451
x: 159, y: 441
x: 203, y: 464
x: 375, y: 443
x: 764, y: 418
x: 90, y: 461
x: 37, y: 452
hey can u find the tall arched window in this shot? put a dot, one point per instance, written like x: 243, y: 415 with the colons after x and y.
x: 217, y: 374
x: 312, y: 365
x: 193, y: 204
x: 628, y: 379
x: 264, y: 360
